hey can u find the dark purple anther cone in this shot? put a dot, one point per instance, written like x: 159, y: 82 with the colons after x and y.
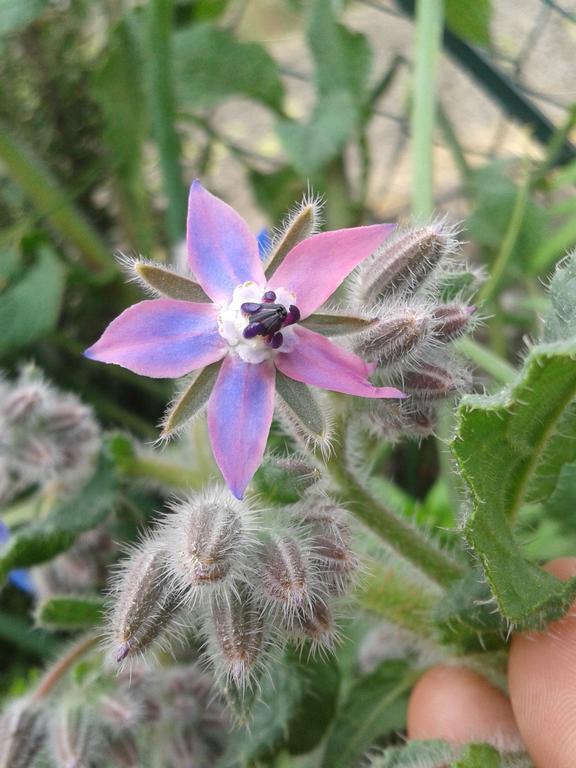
x: 269, y: 296
x: 276, y: 340
x: 293, y: 315
x: 250, y: 307
x: 252, y: 330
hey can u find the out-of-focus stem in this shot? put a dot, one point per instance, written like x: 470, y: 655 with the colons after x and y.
x: 487, y: 360
x: 161, y: 96
x: 64, y: 663
x: 429, y: 19
x: 164, y: 472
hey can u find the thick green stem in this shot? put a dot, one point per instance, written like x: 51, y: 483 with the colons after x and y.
x: 54, y: 204
x: 399, y: 535
x: 429, y: 18
x: 163, y: 114
x: 484, y: 358
x: 63, y: 665
x: 164, y: 472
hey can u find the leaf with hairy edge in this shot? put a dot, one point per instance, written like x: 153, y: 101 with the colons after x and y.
x: 510, y: 448
x: 375, y: 706
x: 416, y: 754
x: 169, y: 283
x: 479, y: 756
x: 64, y: 612
x: 302, y: 407
x: 212, y: 65
x: 338, y: 324
x: 38, y: 542
x: 191, y: 400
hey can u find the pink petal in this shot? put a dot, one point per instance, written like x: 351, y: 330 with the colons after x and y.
x: 161, y: 338
x: 239, y: 416
x: 222, y: 252
x: 317, y: 361
x: 317, y: 266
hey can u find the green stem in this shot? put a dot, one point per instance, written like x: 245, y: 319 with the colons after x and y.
x: 429, y: 25
x: 398, y: 534
x: 163, y: 116
x: 53, y: 203
x: 63, y: 665
x: 493, y: 364
x: 164, y: 472
x: 490, y: 287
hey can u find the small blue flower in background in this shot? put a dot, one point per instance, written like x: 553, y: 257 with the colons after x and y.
x: 19, y: 577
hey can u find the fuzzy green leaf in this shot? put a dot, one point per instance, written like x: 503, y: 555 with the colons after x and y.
x: 211, y: 65
x: 510, y: 448
x: 469, y: 19
x: 416, y: 754
x: 283, y: 481
x: 38, y: 542
x: 375, y: 706
x: 478, y: 756
x: 30, y: 306
x: 338, y: 324
x: 561, y: 319
x: 64, y: 612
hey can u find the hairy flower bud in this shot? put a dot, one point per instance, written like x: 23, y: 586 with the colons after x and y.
x: 22, y: 734
x: 283, y: 572
x: 236, y: 640
x: 284, y: 479
x: 431, y: 382
x: 397, y: 335
x: 403, y: 262
x: 316, y: 624
x: 451, y: 321
x: 207, y: 539
x: 143, y: 607
x: 74, y: 737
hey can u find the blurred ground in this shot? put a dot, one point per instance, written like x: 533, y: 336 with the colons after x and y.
x: 532, y: 41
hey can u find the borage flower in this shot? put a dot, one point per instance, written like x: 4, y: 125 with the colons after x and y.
x: 242, y: 323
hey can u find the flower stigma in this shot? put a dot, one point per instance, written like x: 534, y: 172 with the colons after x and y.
x: 258, y: 324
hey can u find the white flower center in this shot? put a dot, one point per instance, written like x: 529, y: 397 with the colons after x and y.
x: 264, y: 313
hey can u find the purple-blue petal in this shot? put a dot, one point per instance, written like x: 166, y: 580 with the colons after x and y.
x: 222, y: 252
x: 240, y: 412
x: 162, y: 338
x: 264, y: 242
x: 19, y: 577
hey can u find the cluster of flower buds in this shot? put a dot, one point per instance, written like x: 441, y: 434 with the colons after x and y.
x: 169, y: 717
x: 47, y: 437
x: 415, y: 290
x: 245, y: 584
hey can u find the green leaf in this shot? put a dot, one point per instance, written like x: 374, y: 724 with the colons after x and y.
x: 293, y: 710
x: 311, y: 146
x: 16, y: 14
x: 30, y: 306
x: 338, y: 323
x: 70, y: 613
x: 478, y: 756
x: 375, y: 706
x: 465, y: 616
x: 285, y: 480
x: 342, y: 58
x: 469, y: 19
x: 416, y: 754
x: 211, y: 65
x: 561, y: 318
x: 38, y: 542
x: 510, y: 448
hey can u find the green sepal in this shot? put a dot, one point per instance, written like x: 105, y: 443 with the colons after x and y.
x: 284, y: 481
x: 64, y: 612
x: 169, y: 283
x: 191, y: 400
x: 338, y: 324
x: 303, y: 409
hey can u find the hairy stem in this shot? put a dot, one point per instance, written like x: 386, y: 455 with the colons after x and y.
x: 64, y: 663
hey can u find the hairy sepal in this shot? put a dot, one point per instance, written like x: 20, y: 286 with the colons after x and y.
x: 306, y: 415
x: 339, y: 323
x: 304, y: 221
x: 160, y: 280
x: 190, y: 401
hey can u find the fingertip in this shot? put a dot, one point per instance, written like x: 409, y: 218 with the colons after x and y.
x: 460, y: 706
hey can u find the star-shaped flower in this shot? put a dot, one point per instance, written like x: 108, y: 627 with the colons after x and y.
x: 241, y: 322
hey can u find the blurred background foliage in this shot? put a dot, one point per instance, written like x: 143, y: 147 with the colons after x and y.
x: 111, y: 107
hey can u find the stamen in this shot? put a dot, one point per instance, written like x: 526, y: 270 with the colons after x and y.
x: 252, y: 330
x: 250, y: 307
x: 269, y: 297
x: 293, y: 315
x: 276, y: 340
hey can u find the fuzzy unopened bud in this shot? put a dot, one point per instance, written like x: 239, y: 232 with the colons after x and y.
x: 23, y: 403
x: 143, y: 607
x: 396, y: 337
x: 317, y: 625
x: 73, y: 736
x: 403, y: 262
x: 236, y: 636
x: 419, y: 422
x: 451, y: 321
x: 283, y: 572
x: 22, y: 734
x: 123, y: 752
x: 207, y: 539
x: 284, y: 480
x: 431, y: 382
